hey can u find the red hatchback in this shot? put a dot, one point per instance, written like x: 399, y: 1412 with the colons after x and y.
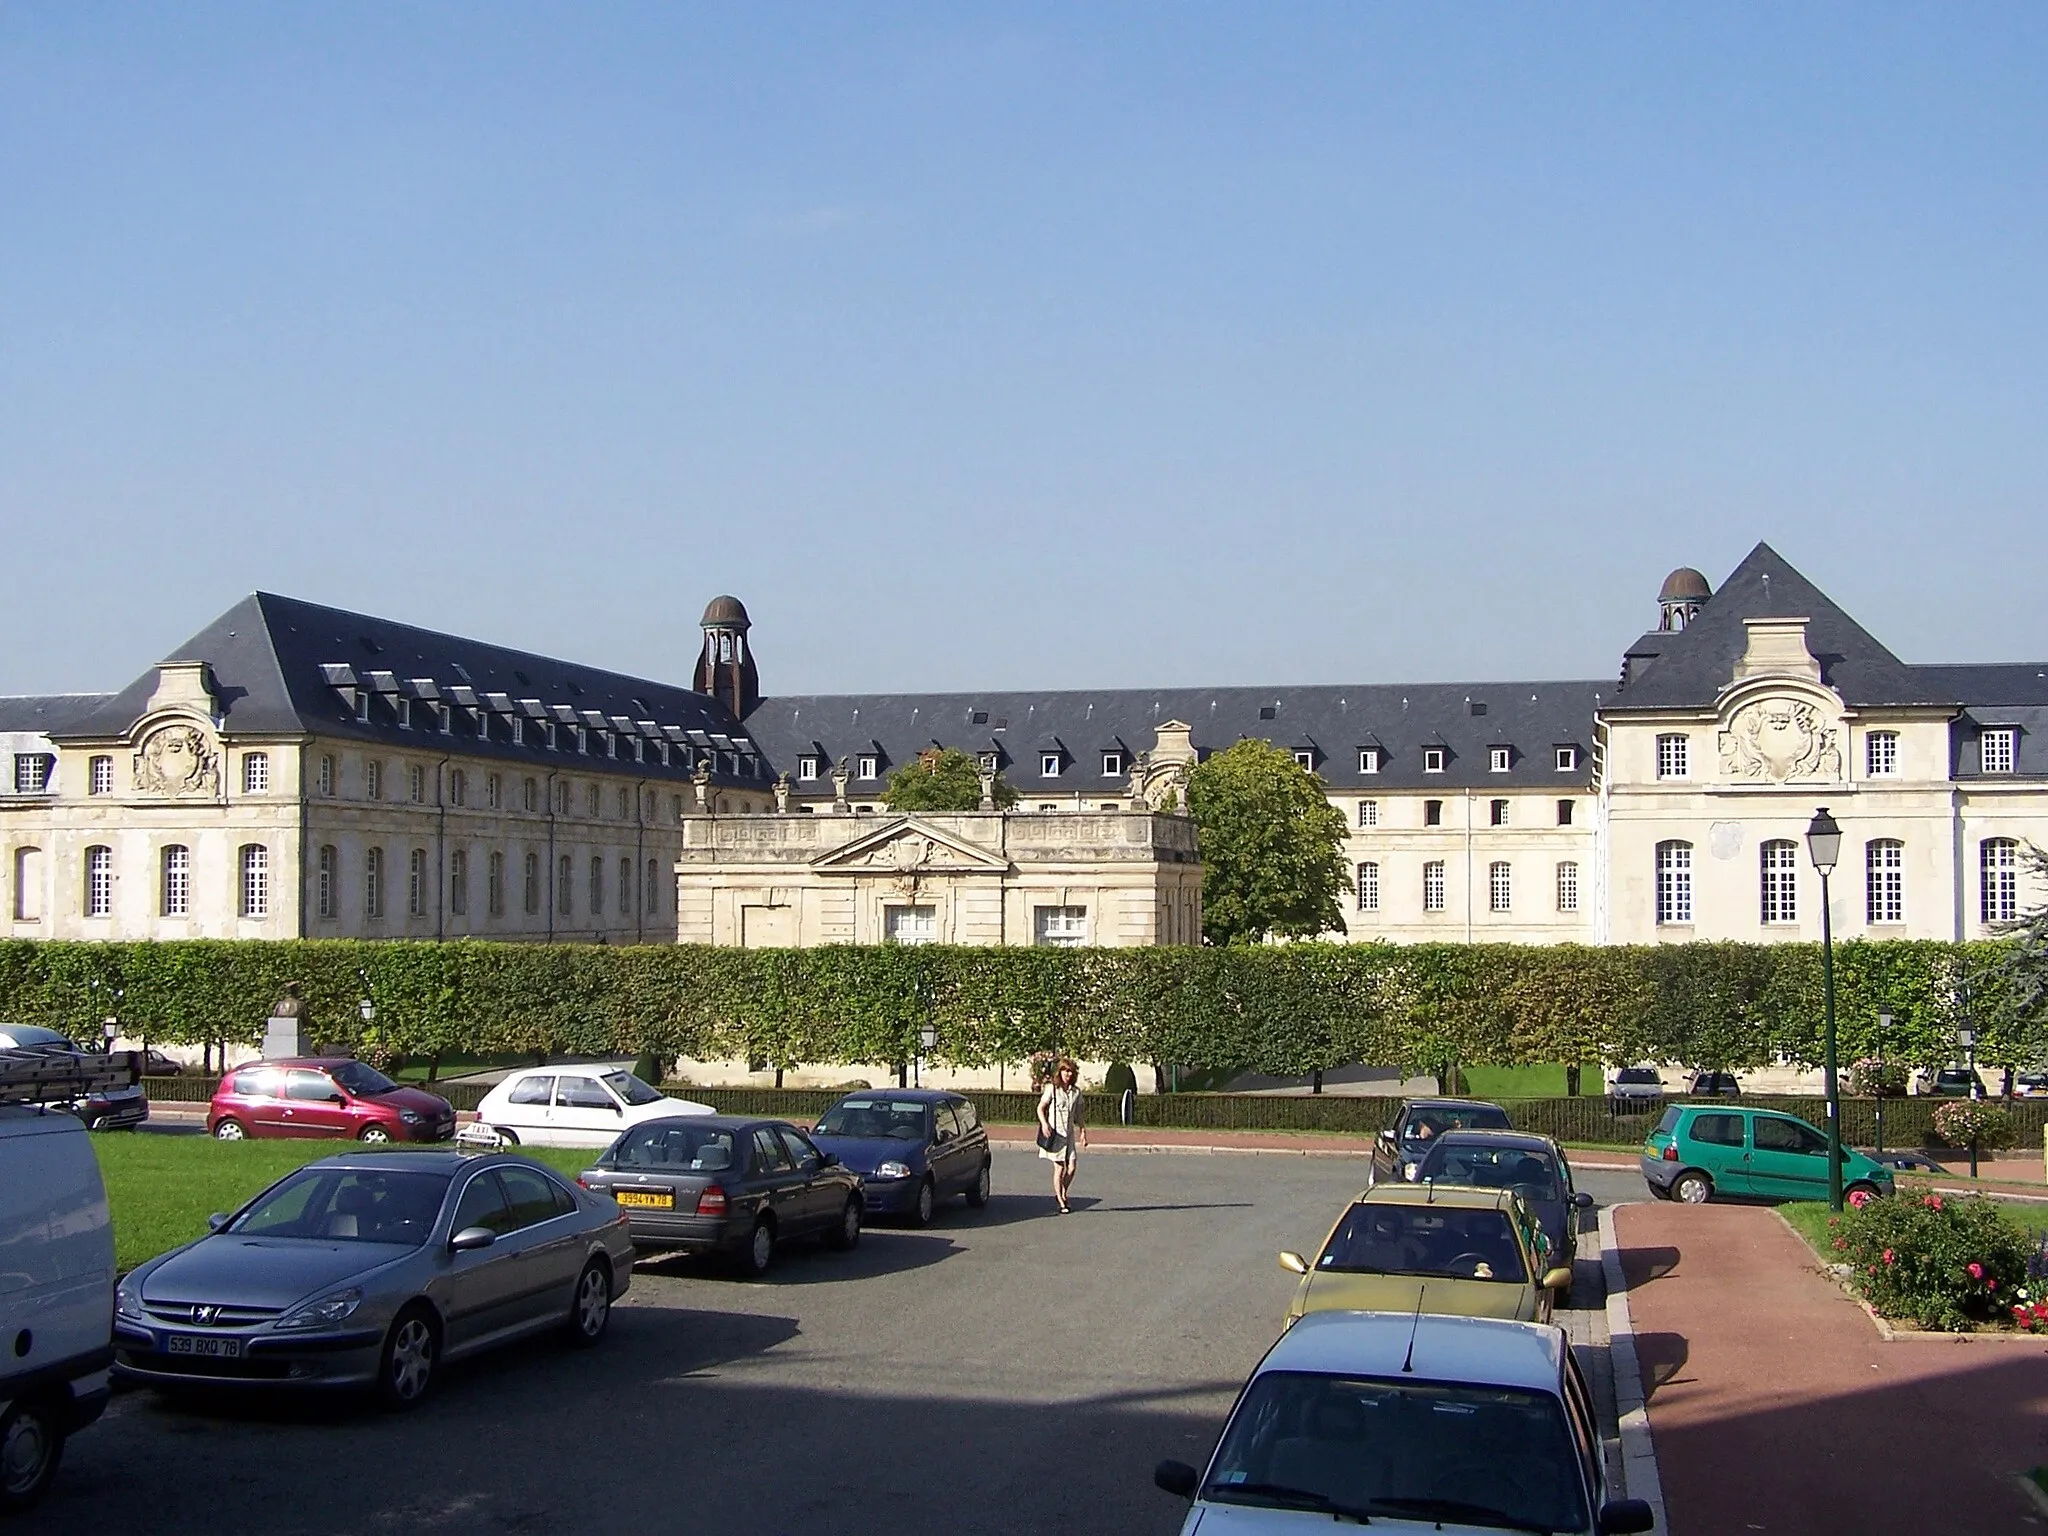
x: 324, y: 1096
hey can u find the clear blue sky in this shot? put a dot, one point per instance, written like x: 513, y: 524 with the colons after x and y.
x: 1048, y: 345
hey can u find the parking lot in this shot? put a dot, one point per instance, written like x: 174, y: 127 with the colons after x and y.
x: 1004, y: 1370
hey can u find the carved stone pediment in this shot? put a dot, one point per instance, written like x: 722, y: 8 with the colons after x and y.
x: 179, y: 761
x: 1779, y: 740
x: 910, y: 849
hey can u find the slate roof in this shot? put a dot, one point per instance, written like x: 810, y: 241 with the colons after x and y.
x: 277, y: 662
x: 47, y: 713
x: 1334, y: 722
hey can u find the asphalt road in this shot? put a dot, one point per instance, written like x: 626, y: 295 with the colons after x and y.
x: 1006, y: 1370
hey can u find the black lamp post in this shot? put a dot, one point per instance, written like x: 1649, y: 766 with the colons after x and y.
x: 927, y: 1038
x: 1884, y: 1024
x: 1824, y: 845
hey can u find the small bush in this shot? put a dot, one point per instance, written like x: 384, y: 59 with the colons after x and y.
x: 1974, y: 1121
x: 1871, y: 1078
x: 1944, y: 1263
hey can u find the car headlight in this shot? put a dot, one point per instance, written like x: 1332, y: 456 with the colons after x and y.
x: 1412, y: 1172
x: 321, y: 1313
x: 126, y: 1302
x: 893, y: 1170
x: 411, y: 1116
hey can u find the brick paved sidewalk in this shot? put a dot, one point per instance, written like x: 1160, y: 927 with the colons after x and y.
x: 1775, y: 1405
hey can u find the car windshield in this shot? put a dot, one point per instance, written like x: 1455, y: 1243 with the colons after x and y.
x: 875, y: 1119
x: 363, y: 1081
x: 676, y: 1145
x: 631, y: 1089
x: 1636, y: 1075
x: 1445, y: 1241
x: 349, y: 1205
x: 1532, y: 1175
x: 1425, y: 1124
x: 25, y: 1036
x: 1444, y: 1452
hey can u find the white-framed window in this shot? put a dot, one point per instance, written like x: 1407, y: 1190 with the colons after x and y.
x: 530, y: 877
x: 1049, y: 765
x: 1368, y: 813
x: 580, y: 735
x: 255, y: 773
x: 1564, y: 813
x: 1884, y: 880
x: 324, y: 872
x: 1060, y: 927
x: 989, y: 762
x: 1497, y: 813
x: 1674, y: 882
x: 1369, y: 886
x: 1306, y: 757
x: 1500, y: 887
x: 100, y: 774
x: 494, y: 884
x: 403, y: 708
x: 806, y: 768
x: 363, y: 705
x: 255, y: 880
x: 1998, y: 870
x: 1112, y: 765
x: 1433, y: 759
x: 458, y: 787
x: 28, y: 885
x: 1778, y: 877
x: 416, y: 883
x: 867, y: 766
x: 1881, y: 754
x: 1568, y: 885
x: 1674, y: 755
x: 1499, y: 759
x: 32, y: 772
x: 1433, y: 886
x: 1368, y: 759
x: 910, y: 925
x: 373, y: 780
x: 458, y: 881
x: 416, y: 784
x: 1567, y: 759
x: 1432, y: 813
x: 446, y: 712
x: 1998, y: 749
x: 596, y: 891
x: 325, y: 778
x: 177, y: 881
x: 494, y: 791
x: 99, y: 881
x: 565, y: 886
x: 373, y: 882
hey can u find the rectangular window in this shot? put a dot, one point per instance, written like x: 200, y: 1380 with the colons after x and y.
x: 1881, y: 754
x: 593, y: 801
x: 494, y: 885
x: 177, y: 894
x: 99, y: 882
x: 806, y: 769
x: 403, y: 707
x: 1567, y: 759
x: 1499, y: 759
x: 416, y: 883
x: 255, y: 773
x: 326, y: 775
x: 1499, y: 887
x: 1568, y: 886
x: 32, y: 772
x: 1306, y: 757
x: 625, y: 803
x: 1564, y: 813
x: 1433, y: 759
x: 416, y: 784
x: 1369, y: 887
x: 1497, y: 813
x: 363, y: 705
x: 652, y: 896
x: 323, y: 881
x: 1433, y: 886
x: 1049, y: 765
x: 1999, y: 743
x: 458, y: 882
x: 1432, y: 813
x: 596, y: 890
x: 530, y: 895
x: 255, y: 880
x: 458, y: 787
x: 373, y: 882
x: 1999, y: 880
x: 1060, y: 927
x: 1112, y: 765
x: 1674, y: 882
x: 910, y: 925
x: 1884, y: 882
x: 1673, y: 756
x: 28, y: 885
x: 494, y: 791
x: 1368, y: 813
x: 625, y: 887
x: 100, y: 775
x: 562, y: 798
x: 1779, y: 872
x: 1368, y: 759
x: 989, y: 762
x: 868, y: 766
x: 529, y: 793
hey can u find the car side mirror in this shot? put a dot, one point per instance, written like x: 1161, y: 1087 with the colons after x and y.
x: 337, y: 1097
x: 218, y: 1220
x: 470, y: 1239
x: 1293, y: 1263
x: 1179, y: 1479
x: 1559, y: 1279
x: 1582, y: 1201
x: 1625, y: 1517
x: 829, y: 1159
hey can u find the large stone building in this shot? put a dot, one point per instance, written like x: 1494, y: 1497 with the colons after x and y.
x: 296, y: 770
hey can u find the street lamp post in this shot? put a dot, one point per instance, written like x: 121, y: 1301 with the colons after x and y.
x: 1824, y: 846
x: 927, y: 1038
x: 1966, y: 1037
x: 1884, y: 1024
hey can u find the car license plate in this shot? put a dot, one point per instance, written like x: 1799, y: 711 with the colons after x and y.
x: 647, y: 1199
x: 200, y: 1344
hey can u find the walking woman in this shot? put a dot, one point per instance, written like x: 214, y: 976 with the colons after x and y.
x: 1062, y: 1132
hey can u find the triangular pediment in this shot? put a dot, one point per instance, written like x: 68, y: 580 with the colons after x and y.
x: 910, y: 845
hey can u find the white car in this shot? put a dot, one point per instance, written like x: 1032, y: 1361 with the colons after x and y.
x: 574, y: 1106
x: 1408, y: 1422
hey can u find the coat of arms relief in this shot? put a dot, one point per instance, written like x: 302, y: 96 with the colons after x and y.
x: 178, y: 761
x: 1780, y: 740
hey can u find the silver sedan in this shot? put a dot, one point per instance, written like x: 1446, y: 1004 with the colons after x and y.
x: 370, y: 1270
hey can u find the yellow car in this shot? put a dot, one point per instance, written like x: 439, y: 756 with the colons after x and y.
x: 1454, y: 1251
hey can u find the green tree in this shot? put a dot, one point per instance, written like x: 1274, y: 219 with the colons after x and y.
x: 2016, y: 981
x: 942, y: 781
x: 1272, y: 847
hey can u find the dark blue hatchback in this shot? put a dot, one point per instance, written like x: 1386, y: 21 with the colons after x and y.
x: 912, y: 1147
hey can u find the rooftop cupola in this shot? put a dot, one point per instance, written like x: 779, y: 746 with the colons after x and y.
x: 725, y: 671
x: 1680, y: 598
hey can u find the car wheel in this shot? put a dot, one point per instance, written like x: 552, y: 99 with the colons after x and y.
x: 760, y: 1250
x: 927, y: 1202
x: 591, y: 1313
x: 229, y: 1130
x: 31, y: 1448
x: 977, y: 1195
x: 847, y: 1234
x: 373, y: 1136
x: 1859, y: 1195
x: 411, y: 1350
x: 1693, y: 1189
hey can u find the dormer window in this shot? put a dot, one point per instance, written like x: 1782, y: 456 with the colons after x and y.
x: 447, y: 718
x: 1306, y: 757
x: 868, y: 766
x: 1112, y: 764
x: 1499, y: 759
x: 989, y: 762
x: 1999, y: 749
x: 1433, y: 759
x: 363, y: 706
x: 403, y: 707
x: 1567, y: 759
x: 807, y: 768
x: 1368, y: 759
x: 1049, y: 765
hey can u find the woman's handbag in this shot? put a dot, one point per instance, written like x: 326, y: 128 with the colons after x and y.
x: 1049, y: 1141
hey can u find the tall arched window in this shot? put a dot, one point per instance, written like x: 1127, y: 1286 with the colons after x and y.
x: 1998, y: 880
x: 458, y: 788
x: 458, y: 882
x: 1884, y: 880
x: 494, y: 885
x: 1433, y: 886
x: 177, y: 881
x: 323, y: 881
x: 653, y: 899
x: 532, y: 876
x: 28, y: 885
x: 1369, y: 884
x: 625, y: 887
x: 416, y: 883
x: 1568, y: 885
x: 1674, y: 882
x: 596, y: 885
x: 1500, y: 891
x: 255, y: 863
x: 565, y: 886
x: 373, y: 882
x: 1779, y: 874
x: 99, y: 881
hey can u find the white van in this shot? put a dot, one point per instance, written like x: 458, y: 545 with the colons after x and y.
x: 56, y: 1294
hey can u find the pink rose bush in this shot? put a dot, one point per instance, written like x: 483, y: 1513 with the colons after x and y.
x: 1950, y: 1264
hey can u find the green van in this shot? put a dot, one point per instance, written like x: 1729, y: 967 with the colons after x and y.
x: 1700, y: 1150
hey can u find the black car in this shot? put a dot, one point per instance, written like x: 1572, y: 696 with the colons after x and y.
x: 912, y: 1148
x: 1400, y: 1149
x: 1533, y: 1166
x: 728, y: 1187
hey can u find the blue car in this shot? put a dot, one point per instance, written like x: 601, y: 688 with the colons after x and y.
x: 912, y: 1147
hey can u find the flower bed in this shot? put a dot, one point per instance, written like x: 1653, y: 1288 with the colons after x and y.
x: 1951, y: 1264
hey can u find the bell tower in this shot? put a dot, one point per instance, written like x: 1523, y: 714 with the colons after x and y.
x: 726, y: 669
x: 1679, y: 600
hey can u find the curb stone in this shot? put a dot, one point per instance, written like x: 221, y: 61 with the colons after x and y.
x: 1639, y: 1475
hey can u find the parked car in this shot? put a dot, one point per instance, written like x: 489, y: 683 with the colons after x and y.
x: 1952, y: 1083
x: 911, y: 1147
x: 1700, y: 1150
x: 2030, y: 1085
x: 156, y: 1064
x: 311, y: 1096
x: 56, y: 1305
x: 1469, y: 1252
x: 1533, y: 1166
x: 1633, y: 1090
x: 1441, y: 1424
x: 1398, y: 1149
x: 1714, y: 1085
x: 372, y: 1270
x: 727, y: 1187
x: 1908, y: 1162
x: 583, y: 1106
x: 115, y: 1108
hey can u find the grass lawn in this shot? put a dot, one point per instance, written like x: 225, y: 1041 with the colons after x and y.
x: 1809, y: 1219
x: 1545, y: 1081
x: 161, y: 1189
